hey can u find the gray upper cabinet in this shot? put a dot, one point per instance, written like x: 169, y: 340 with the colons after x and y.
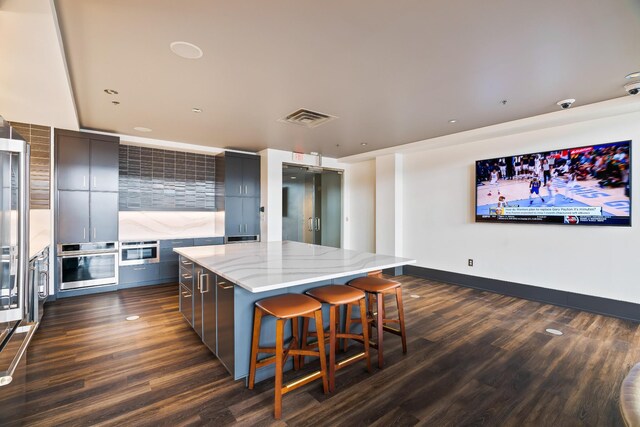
x: 242, y: 175
x: 242, y: 194
x: 87, y: 183
x: 251, y: 176
x: 233, y: 182
x: 72, y: 162
x: 104, y: 166
x: 104, y: 216
x: 73, y: 217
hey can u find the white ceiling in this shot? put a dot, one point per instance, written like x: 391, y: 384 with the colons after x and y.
x: 394, y: 72
x: 34, y: 87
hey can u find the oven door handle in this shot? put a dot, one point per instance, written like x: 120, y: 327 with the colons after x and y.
x: 80, y: 255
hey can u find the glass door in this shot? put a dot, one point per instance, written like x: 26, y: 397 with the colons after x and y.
x: 312, y: 205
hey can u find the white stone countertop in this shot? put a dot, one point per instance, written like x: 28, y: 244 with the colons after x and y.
x: 266, y: 266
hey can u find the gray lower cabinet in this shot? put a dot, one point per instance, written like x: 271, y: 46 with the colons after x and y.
x: 138, y: 274
x: 225, y: 324
x: 208, y: 291
x: 197, y: 300
x: 104, y: 216
x: 73, y: 217
x: 186, y: 303
x: 212, y: 310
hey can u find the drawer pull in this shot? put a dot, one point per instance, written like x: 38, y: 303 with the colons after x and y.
x: 140, y: 268
x: 186, y: 294
x: 186, y: 262
x: 221, y: 285
x: 187, y: 276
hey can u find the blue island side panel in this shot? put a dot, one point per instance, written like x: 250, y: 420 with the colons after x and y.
x: 244, y: 303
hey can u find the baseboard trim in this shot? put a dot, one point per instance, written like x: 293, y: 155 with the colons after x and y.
x: 608, y: 307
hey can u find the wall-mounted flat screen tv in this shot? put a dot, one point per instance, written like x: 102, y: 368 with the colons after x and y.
x: 588, y: 185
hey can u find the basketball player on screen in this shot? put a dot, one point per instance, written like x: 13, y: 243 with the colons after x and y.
x: 502, y: 203
x: 494, y: 182
x: 534, y: 188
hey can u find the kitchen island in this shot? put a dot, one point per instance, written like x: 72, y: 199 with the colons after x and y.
x: 220, y: 284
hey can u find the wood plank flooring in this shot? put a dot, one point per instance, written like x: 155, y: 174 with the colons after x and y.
x: 475, y: 358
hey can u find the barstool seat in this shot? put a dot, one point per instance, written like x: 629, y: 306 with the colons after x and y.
x: 336, y: 294
x: 376, y: 288
x: 374, y: 284
x: 285, y: 308
x: 289, y: 305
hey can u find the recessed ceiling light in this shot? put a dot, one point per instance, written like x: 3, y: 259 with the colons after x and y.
x: 141, y: 129
x: 111, y: 92
x: 186, y: 50
x: 115, y: 102
x: 197, y: 110
x: 132, y: 317
x: 293, y: 177
x: 363, y: 143
x: 632, y: 75
x: 453, y: 121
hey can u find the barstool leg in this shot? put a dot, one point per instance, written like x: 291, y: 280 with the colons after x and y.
x: 365, y: 334
x: 305, y: 337
x: 295, y: 333
x: 347, y: 327
x: 380, y: 327
x: 332, y: 347
x: 370, y: 310
x: 321, y: 351
x: 279, y: 353
x: 401, y: 318
x: 255, y: 344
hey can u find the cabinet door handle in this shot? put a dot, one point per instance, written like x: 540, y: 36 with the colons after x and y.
x: 239, y: 228
x: 240, y: 189
x: 246, y: 189
x: 184, y: 262
x: 94, y: 233
x: 84, y: 233
x: 186, y: 294
x: 187, y: 276
x: 221, y: 285
x: 310, y: 224
x: 95, y: 182
x: 140, y: 268
x: 199, y: 281
x: 84, y: 181
x: 202, y: 291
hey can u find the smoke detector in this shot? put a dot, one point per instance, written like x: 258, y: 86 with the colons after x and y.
x: 307, y: 118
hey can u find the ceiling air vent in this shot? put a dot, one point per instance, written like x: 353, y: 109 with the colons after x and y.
x: 307, y: 118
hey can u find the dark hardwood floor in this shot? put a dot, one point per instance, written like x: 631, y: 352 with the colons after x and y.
x: 475, y: 358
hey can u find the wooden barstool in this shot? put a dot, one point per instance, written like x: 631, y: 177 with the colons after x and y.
x: 336, y: 296
x: 283, y: 308
x: 377, y: 287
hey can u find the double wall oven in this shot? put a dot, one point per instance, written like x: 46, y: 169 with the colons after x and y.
x: 82, y: 265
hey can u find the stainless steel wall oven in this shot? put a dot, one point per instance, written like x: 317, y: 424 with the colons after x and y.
x: 82, y: 265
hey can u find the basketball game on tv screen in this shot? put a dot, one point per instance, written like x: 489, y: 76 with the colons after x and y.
x: 586, y: 186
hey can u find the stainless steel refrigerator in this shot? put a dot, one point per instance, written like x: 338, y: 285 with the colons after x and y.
x: 19, y: 305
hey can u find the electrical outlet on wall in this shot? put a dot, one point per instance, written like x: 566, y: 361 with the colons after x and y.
x: 470, y: 262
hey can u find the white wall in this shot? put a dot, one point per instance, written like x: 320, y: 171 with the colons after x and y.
x: 360, y: 206
x: 440, y: 232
